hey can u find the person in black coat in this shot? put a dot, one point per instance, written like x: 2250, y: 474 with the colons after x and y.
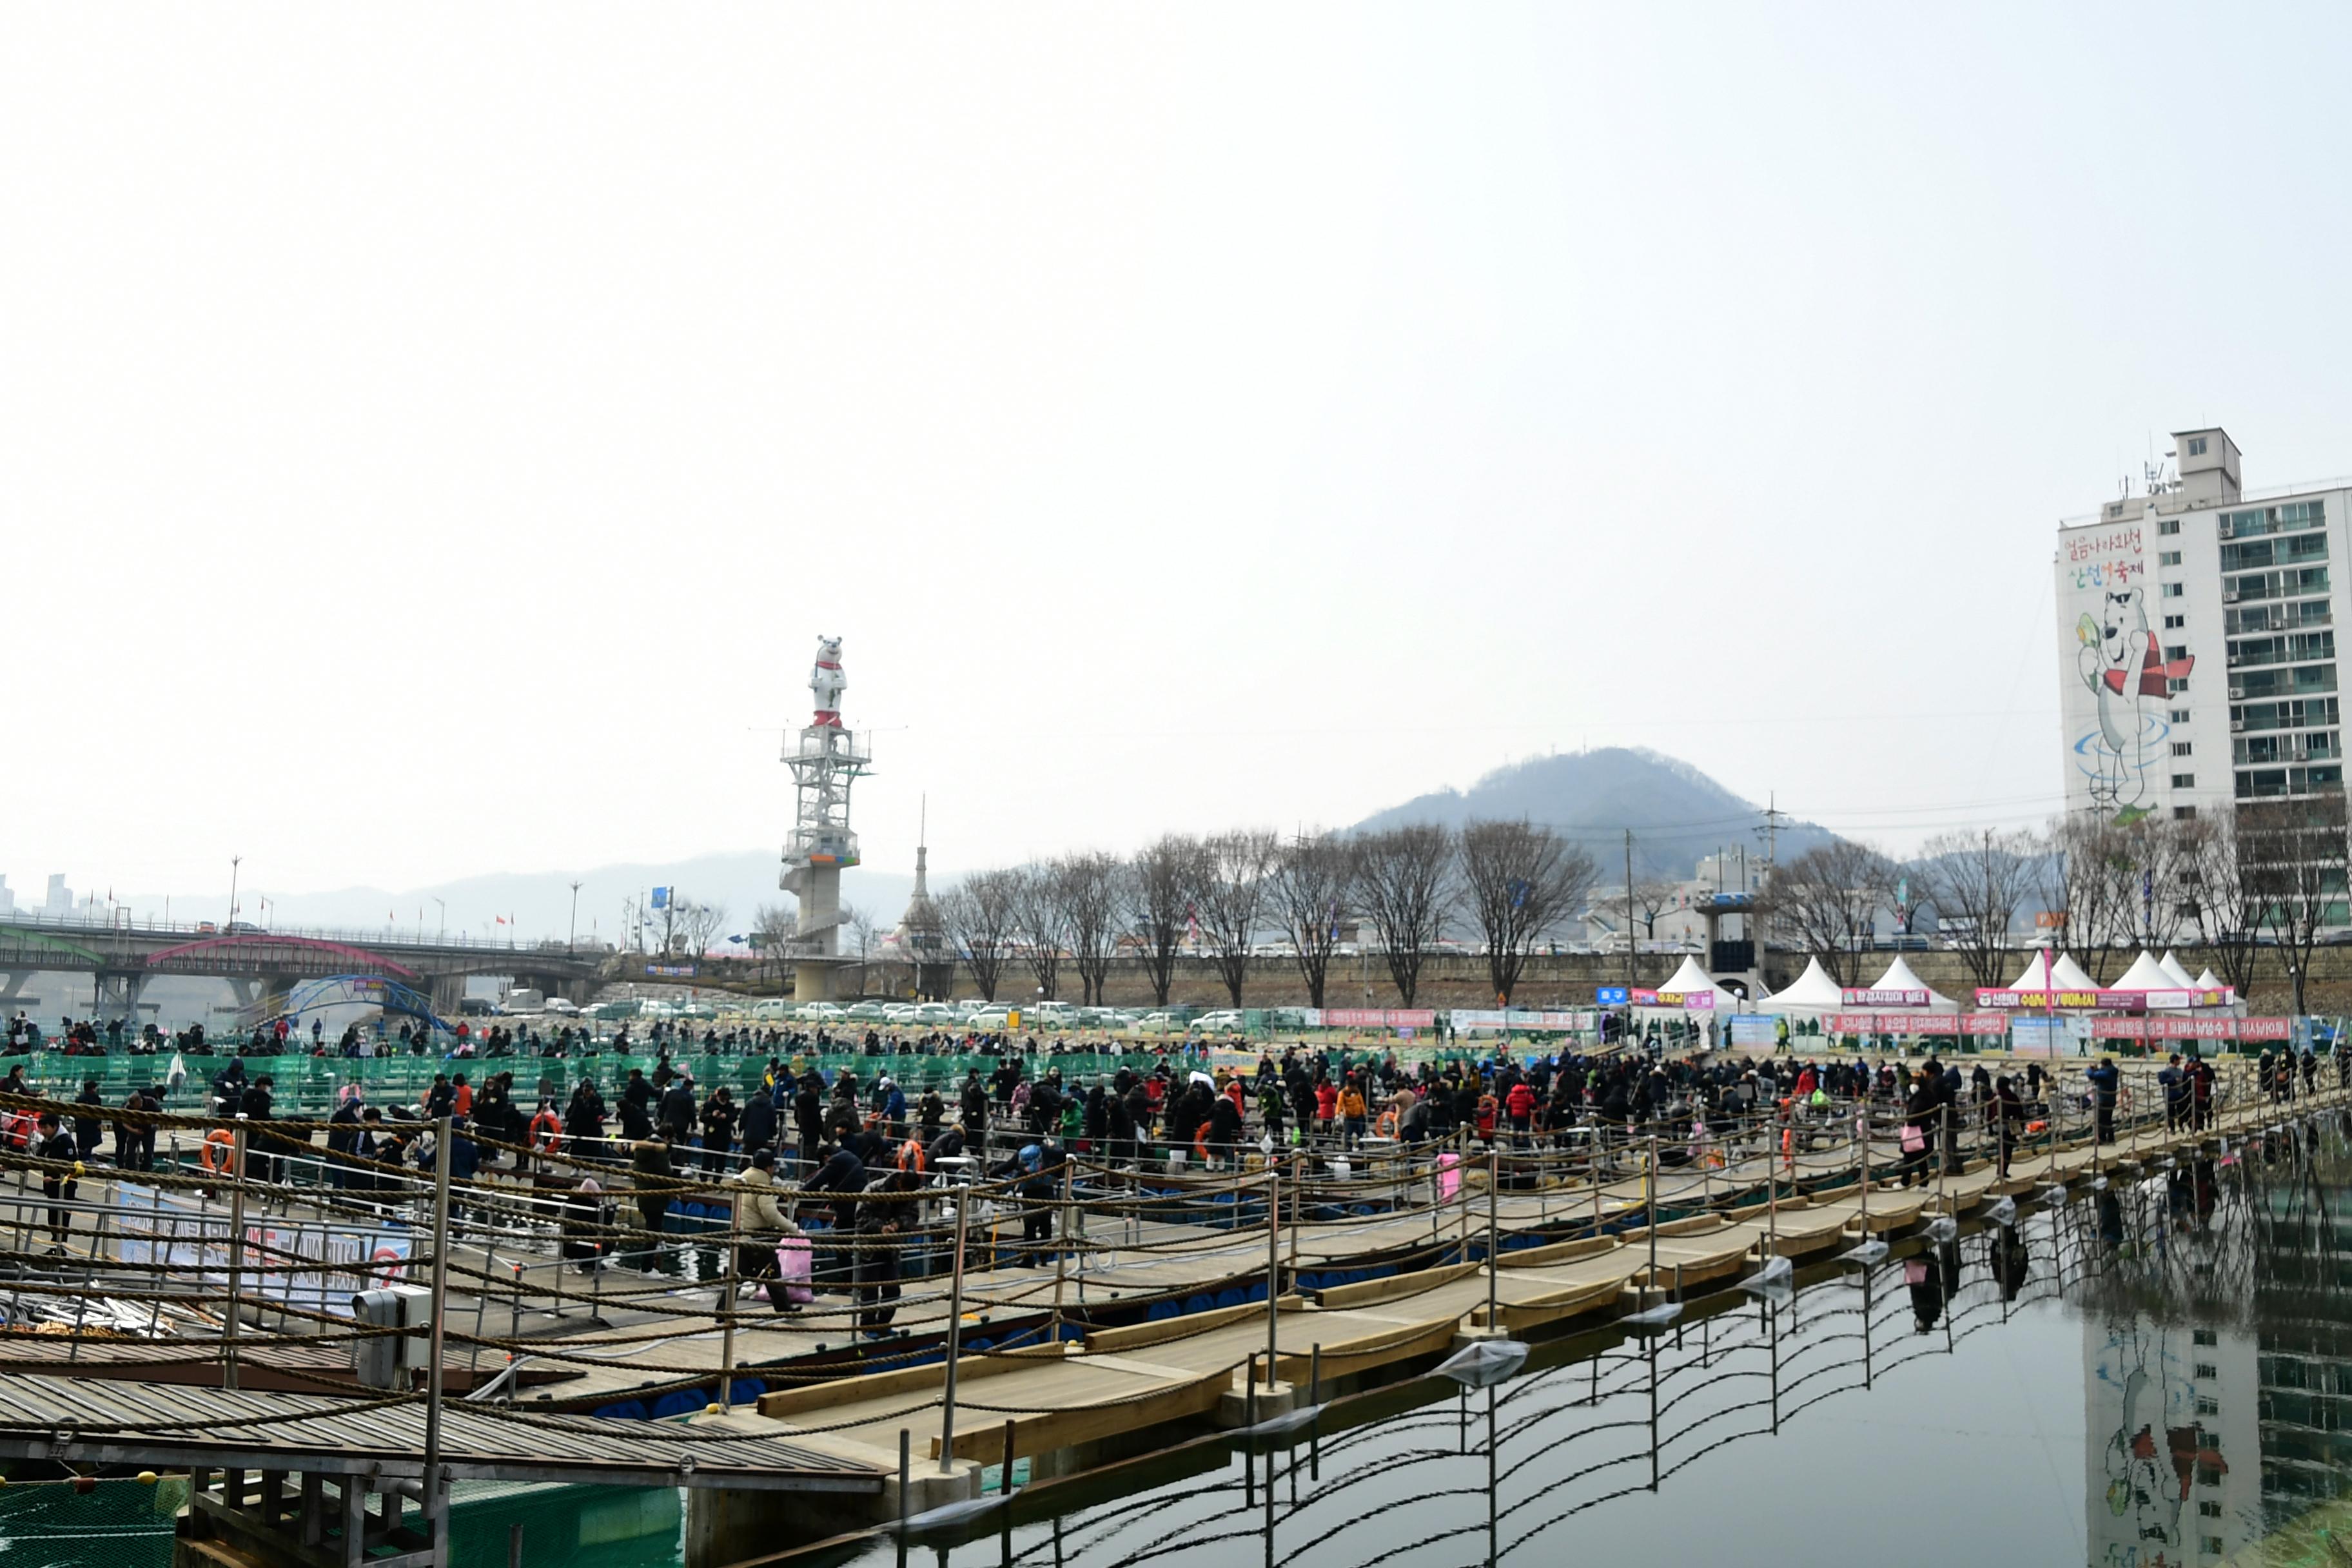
x: 759, y: 1121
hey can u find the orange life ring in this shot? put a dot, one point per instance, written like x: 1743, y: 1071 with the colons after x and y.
x: 219, y: 1151
x: 1386, y: 1127
x: 547, y: 1132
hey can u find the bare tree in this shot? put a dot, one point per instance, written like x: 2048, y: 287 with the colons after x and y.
x: 1826, y: 902
x: 864, y: 939
x: 1044, y: 925
x: 1093, y: 896
x: 1162, y: 880
x: 1519, y: 882
x: 696, y: 927
x: 1651, y: 897
x: 2221, y: 903
x: 774, y: 925
x: 2091, y: 876
x: 2293, y: 854
x: 1976, y: 883
x: 1231, y: 899
x: 1314, y: 876
x: 1404, y: 886
x: 980, y: 921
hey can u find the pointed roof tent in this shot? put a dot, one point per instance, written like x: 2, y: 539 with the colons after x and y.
x: 2036, y: 976
x: 1690, y: 978
x: 1898, y: 977
x: 2146, y: 975
x: 2071, y: 977
x: 2208, y: 981
x: 2171, y: 964
x: 1813, y: 992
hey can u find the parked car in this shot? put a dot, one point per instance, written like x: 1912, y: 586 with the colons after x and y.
x: 990, y: 1019
x: 1154, y: 1022
x: 868, y: 1013
x: 562, y: 1007
x: 1225, y: 1021
x: 821, y: 1013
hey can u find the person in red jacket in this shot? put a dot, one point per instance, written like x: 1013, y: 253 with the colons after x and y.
x: 1521, y: 1105
x: 1327, y: 1106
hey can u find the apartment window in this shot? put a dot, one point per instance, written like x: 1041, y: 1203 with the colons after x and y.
x: 2180, y: 650
x: 2167, y: 558
x: 2169, y: 525
x: 2208, y: 1509
x: 2172, y: 590
x: 2175, y: 623
x: 2176, y: 687
x: 2204, y: 1337
x: 2180, y: 715
x: 2207, y: 1372
x: 2184, y: 781
x: 2181, y: 747
x: 2208, y: 1475
x: 2197, y: 446
x: 2208, y: 1406
x: 2212, y: 1545
x: 2185, y: 814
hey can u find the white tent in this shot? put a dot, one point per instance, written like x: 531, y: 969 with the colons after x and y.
x: 2172, y: 966
x: 2147, y: 976
x: 1813, y: 992
x: 1898, y: 977
x: 2071, y: 977
x: 2208, y: 981
x: 1690, y: 978
x: 2036, y: 976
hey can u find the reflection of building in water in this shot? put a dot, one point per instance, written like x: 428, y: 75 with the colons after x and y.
x: 2305, y: 1364
x: 2171, y: 1443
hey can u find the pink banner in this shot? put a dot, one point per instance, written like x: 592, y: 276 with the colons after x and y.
x: 1853, y: 997
x: 2065, y: 1001
x: 1378, y: 1018
x: 1974, y: 1024
x: 2192, y: 1028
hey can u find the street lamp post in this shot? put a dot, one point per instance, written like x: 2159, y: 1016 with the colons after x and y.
x: 572, y: 942
x: 443, y: 910
x: 233, y: 861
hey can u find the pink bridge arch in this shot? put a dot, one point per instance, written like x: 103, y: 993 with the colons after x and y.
x: 376, y: 964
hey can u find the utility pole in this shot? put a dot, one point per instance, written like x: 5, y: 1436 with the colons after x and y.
x: 1771, y: 831
x: 1629, y: 910
x: 572, y: 942
x: 233, y: 861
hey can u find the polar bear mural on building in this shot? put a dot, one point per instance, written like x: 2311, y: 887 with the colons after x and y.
x: 2122, y: 663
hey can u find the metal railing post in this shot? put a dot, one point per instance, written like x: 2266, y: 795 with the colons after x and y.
x: 433, y: 1499
x: 955, y: 1337
x: 236, y: 1260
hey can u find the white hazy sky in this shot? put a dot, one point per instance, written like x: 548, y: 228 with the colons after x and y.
x: 431, y: 438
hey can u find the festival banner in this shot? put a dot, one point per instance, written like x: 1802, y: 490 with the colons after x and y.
x: 1379, y: 1018
x: 1859, y: 997
x: 2243, y: 1029
x: 1976, y: 1026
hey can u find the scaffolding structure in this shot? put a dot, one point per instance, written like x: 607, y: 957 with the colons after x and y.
x: 827, y: 758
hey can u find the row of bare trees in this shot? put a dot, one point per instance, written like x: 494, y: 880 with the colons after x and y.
x: 2273, y: 874
x: 1212, y: 899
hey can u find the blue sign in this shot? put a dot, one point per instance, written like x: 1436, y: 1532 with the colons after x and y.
x: 1612, y: 995
x: 661, y: 897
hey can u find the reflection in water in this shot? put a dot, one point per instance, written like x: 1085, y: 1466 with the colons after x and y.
x: 2201, y: 1307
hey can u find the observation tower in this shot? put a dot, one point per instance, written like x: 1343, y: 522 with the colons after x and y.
x: 826, y: 760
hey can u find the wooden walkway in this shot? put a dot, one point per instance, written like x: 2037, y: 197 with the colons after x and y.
x: 1123, y: 1382
x: 98, y: 1421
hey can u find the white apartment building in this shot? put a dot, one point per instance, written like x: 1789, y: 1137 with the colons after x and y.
x: 2196, y: 643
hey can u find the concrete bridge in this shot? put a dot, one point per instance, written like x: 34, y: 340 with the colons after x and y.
x: 122, y: 959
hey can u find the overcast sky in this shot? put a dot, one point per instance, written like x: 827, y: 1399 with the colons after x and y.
x: 431, y: 439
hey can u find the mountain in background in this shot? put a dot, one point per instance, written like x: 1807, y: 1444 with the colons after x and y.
x: 1677, y: 814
